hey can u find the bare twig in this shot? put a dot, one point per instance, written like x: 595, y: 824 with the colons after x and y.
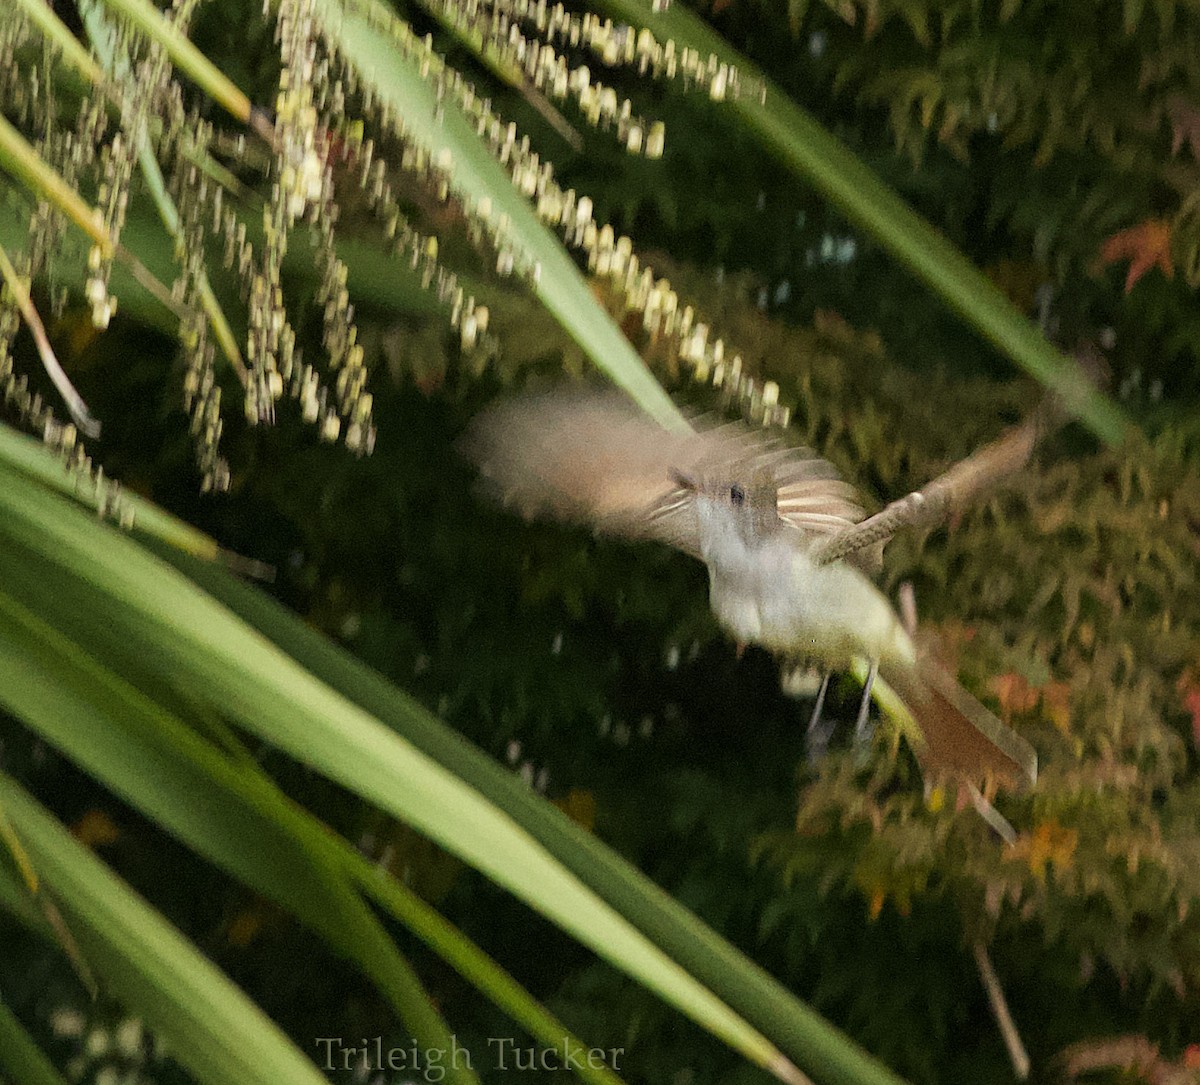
x: 1008, y: 1029
x: 76, y: 407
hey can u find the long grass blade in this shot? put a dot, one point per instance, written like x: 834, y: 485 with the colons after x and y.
x: 212, y: 1027
x: 375, y: 47
x: 201, y: 646
x: 825, y: 162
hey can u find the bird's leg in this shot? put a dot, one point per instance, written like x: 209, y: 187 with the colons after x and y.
x: 816, y: 738
x: 864, y: 709
x: 814, y: 720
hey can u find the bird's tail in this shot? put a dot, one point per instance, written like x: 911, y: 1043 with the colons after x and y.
x: 962, y: 738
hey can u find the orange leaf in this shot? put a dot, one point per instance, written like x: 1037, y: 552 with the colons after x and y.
x: 1146, y: 245
x: 1056, y: 705
x: 1049, y: 843
x: 1192, y: 703
x: 580, y: 806
x: 245, y: 927
x: 1014, y: 693
x: 1188, y: 687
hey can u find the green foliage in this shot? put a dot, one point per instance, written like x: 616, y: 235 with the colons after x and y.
x: 1104, y: 96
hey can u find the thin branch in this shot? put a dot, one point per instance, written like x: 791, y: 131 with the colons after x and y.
x: 78, y: 410
x: 1008, y: 1029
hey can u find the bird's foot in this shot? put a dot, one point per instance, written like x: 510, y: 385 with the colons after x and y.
x: 861, y: 725
x: 814, y: 721
x: 819, y: 732
x: 864, y: 726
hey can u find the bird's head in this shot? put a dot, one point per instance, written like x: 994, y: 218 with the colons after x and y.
x: 733, y: 507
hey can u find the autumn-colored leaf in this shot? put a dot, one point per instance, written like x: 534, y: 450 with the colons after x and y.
x: 898, y: 885
x: 1049, y: 843
x: 1014, y: 693
x: 1018, y: 280
x: 1056, y: 705
x: 1146, y: 245
x: 1192, y: 703
x: 1189, y: 689
x: 579, y: 805
x: 1131, y: 1053
x: 244, y: 928
x: 901, y: 900
x: 1135, y: 1055
x: 872, y: 21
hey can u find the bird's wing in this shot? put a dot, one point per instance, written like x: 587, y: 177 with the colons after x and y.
x: 954, y: 489
x: 588, y: 457
x: 592, y: 457
x: 812, y: 499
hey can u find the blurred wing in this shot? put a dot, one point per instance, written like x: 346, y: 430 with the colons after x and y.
x: 812, y: 499
x: 587, y: 457
x: 954, y: 489
x: 592, y: 457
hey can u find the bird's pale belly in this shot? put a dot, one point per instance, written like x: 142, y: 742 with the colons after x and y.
x: 833, y: 614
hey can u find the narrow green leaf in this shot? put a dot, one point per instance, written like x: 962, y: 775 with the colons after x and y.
x: 212, y: 1027
x: 151, y: 759
x: 42, y: 15
x: 186, y: 634
x: 19, y: 158
x: 443, y: 130
x: 186, y: 57
x: 818, y: 156
x: 31, y: 457
x: 17, y: 901
x: 469, y: 960
x: 116, y: 64
x: 21, y: 1058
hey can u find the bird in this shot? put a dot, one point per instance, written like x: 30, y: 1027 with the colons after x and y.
x: 790, y: 552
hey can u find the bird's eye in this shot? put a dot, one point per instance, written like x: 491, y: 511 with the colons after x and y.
x: 736, y: 494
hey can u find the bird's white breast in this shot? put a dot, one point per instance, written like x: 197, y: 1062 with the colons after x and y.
x: 776, y: 596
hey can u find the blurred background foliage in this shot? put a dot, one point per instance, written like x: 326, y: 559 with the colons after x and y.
x: 1058, y: 145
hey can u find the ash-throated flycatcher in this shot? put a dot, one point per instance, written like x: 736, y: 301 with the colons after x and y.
x: 789, y: 553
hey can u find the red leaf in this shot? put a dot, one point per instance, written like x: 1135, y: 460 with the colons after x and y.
x: 1014, y: 694
x: 1188, y: 688
x: 1146, y: 245
x: 1191, y: 701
